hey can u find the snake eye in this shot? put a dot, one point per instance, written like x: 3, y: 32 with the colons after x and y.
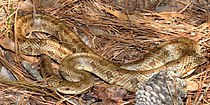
x: 66, y: 89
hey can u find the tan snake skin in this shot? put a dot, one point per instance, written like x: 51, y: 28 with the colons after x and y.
x: 78, y: 61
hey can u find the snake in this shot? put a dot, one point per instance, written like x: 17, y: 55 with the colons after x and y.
x: 79, y: 63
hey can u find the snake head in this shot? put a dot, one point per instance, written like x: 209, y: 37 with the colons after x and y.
x: 66, y: 90
x: 67, y: 87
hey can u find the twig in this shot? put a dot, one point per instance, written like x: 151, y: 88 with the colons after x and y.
x: 201, y: 96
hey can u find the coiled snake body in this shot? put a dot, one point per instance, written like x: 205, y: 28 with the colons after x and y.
x: 78, y: 61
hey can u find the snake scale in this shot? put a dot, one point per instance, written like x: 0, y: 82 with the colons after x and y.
x: 78, y: 62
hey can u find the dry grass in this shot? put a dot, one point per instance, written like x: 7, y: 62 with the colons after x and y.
x: 121, y: 31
